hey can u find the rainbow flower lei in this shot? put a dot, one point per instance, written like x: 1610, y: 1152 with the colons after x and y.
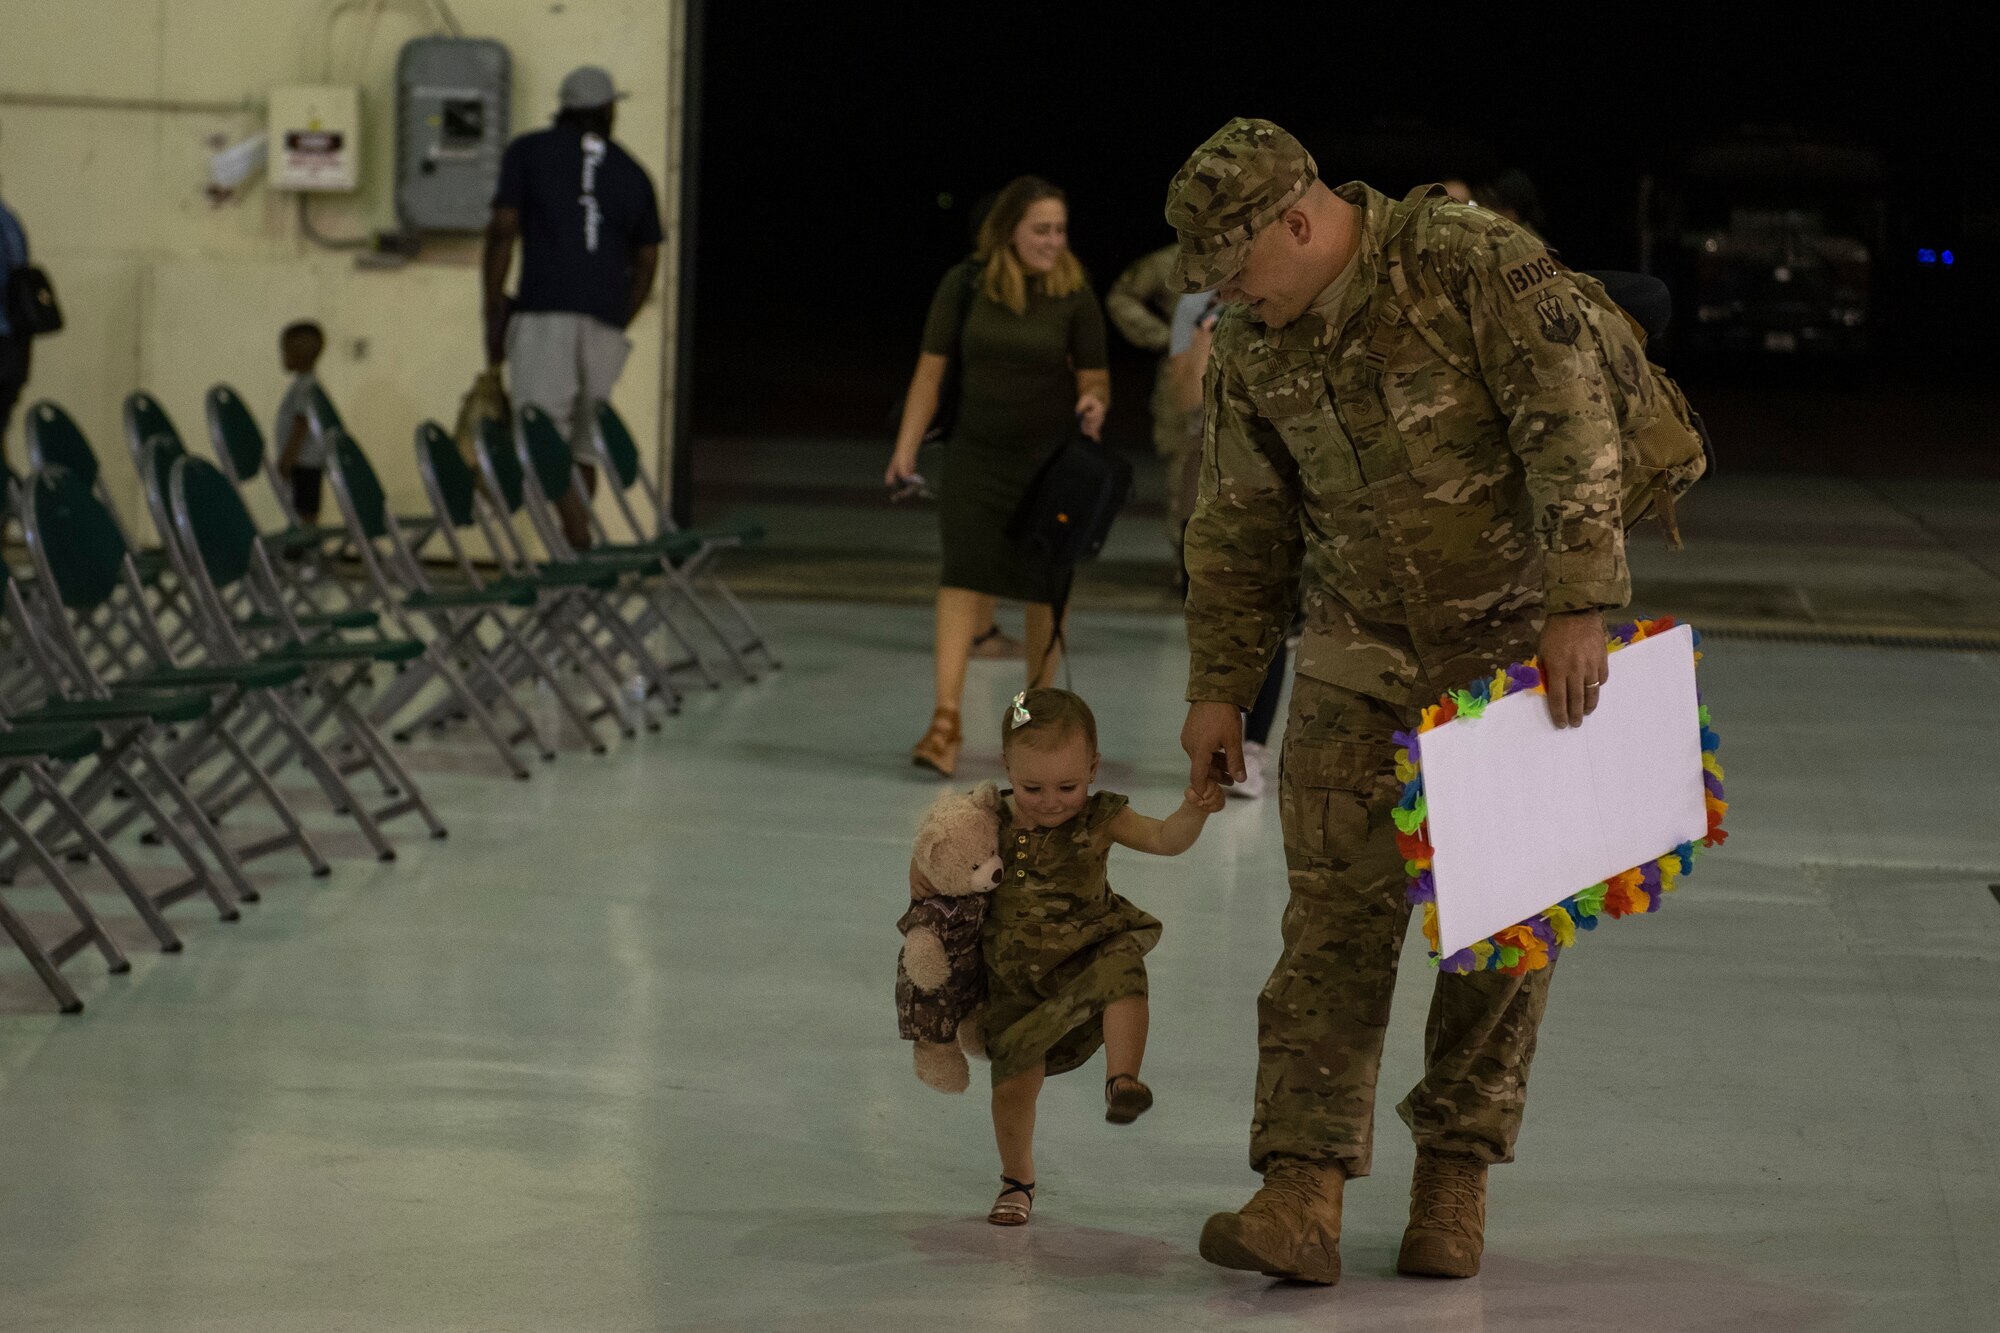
x: 1531, y: 945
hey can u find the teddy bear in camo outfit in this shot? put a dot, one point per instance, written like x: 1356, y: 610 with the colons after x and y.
x: 940, y: 977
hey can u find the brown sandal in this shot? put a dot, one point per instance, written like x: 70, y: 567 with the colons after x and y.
x: 1008, y: 1214
x: 1126, y: 1099
x: 938, y: 750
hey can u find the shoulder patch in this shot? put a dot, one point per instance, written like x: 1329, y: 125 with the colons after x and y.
x: 1558, y: 324
x: 1530, y: 276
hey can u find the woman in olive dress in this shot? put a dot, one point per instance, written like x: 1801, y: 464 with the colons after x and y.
x: 1026, y: 331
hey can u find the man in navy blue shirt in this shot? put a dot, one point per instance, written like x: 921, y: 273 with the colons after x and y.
x: 14, y: 343
x: 589, y: 228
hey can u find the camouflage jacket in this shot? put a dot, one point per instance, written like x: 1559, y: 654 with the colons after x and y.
x: 1141, y: 304
x: 1428, y: 519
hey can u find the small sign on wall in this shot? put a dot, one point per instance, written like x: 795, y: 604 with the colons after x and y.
x: 315, y: 138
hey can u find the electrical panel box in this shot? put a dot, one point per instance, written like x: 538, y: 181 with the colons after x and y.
x: 315, y: 135
x: 451, y: 130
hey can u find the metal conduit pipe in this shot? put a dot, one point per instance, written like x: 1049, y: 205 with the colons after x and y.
x: 162, y: 105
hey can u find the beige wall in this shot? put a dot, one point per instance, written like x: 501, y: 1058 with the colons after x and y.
x: 164, y: 290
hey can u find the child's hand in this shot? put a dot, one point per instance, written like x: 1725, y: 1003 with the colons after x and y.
x: 1208, y: 805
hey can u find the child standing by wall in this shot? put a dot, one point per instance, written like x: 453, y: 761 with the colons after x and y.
x: 301, y: 455
x: 1064, y: 954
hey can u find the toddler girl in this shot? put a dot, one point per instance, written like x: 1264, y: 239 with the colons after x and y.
x: 1064, y: 954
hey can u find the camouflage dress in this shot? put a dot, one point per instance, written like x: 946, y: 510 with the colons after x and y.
x: 1060, y: 946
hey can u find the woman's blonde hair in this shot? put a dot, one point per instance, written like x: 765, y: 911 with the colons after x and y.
x: 1006, y: 282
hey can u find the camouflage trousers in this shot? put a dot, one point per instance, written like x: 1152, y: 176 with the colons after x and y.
x: 1322, y: 1015
x: 1183, y: 481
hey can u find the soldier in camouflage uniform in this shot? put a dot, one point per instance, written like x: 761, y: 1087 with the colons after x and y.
x: 1438, y: 525
x: 1141, y: 303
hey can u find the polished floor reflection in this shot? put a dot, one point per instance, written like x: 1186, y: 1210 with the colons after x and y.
x: 621, y: 1055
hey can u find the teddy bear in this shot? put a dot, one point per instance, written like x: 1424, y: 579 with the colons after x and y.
x: 940, y: 977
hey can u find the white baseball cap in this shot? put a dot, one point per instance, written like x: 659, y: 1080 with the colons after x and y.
x: 588, y: 86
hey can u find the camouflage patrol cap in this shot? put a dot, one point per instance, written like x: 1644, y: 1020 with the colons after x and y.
x: 1237, y: 183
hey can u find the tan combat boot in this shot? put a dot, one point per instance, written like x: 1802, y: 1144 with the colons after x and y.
x: 1289, y: 1229
x: 1447, y: 1231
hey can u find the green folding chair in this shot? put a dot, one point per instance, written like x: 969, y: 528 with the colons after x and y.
x: 560, y: 638
x: 618, y: 462
x: 55, y: 440
x: 67, y: 831
x: 549, y: 474
x: 623, y: 607
x: 218, y: 544
x: 128, y: 725
x: 312, y: 575
x: 456, y: 618
x: 321, y: 414
x: 84, y: 572
x: 27, y: 750
x: 240, y: 451
x: 155, y: 462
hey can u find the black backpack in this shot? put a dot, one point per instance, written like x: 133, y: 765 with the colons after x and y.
x: 1066, y: 513
x: 1067, y: 510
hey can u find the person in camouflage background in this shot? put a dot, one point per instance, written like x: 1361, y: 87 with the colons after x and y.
x: 1141, y: 303
x: 1438, y: 524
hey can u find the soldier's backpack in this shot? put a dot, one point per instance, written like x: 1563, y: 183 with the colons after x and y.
x: 1663, y: 445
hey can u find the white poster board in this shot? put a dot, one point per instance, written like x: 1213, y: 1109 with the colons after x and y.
x: 1522, y: 815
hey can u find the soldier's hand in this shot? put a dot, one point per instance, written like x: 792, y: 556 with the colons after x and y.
x: 1213, y: 739
x: 1090, y: 415
x: 1575, y: 664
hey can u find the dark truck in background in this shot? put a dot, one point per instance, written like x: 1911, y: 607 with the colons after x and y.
x: 1775, y: 242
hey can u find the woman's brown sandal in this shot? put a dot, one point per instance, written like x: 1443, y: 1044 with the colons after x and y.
x: 1008, y: 1214
x: 1126, y: 1099
x: 938, y: 750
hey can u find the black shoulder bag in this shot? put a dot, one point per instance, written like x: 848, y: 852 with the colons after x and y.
x: 31, y: 303
x: 1067, y: 511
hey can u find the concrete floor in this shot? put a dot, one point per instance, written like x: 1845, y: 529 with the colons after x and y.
x: 620, y: 1055
x: 1767, y: 552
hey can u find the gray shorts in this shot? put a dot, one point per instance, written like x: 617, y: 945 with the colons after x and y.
x: 565, y: 364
